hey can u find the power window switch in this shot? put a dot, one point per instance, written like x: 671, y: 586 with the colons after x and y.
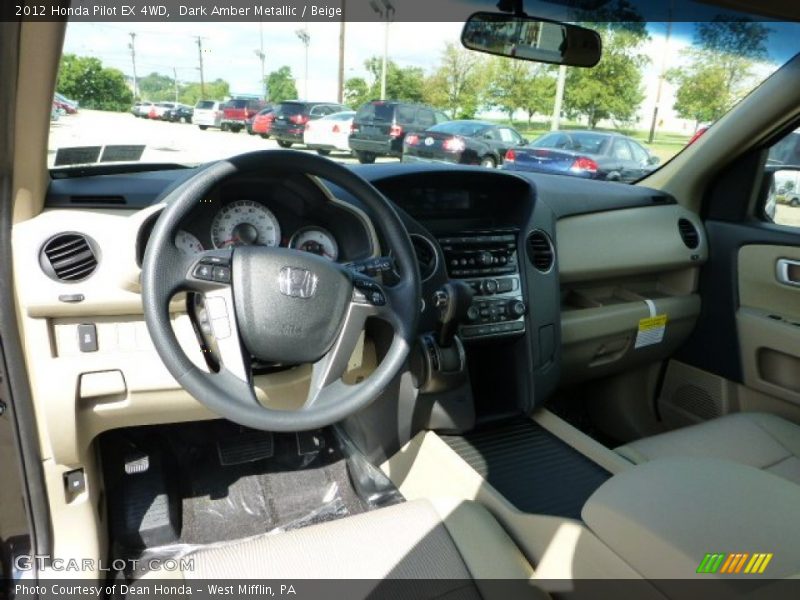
x: 87, y: 337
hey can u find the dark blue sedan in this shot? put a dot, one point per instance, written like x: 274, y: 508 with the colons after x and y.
x: 589, y: 154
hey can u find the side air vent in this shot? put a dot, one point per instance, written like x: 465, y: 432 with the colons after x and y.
x: 426, y: 256
x: 69, y: 257
x: 540, y: 251
x: 689, y: 233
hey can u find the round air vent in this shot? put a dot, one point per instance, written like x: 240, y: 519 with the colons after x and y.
x: 689, y: 233
x: 426, y: 255
x: 69, y: 257
x: 540, y: 251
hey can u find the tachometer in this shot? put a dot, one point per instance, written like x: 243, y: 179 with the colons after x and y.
x: 245, y: 223
x: 187, y: 242
x: 315, y: 240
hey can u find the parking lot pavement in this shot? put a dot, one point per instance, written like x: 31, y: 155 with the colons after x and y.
x: 164, y: 142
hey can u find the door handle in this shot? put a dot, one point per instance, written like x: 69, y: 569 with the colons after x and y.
x: 788, y: 271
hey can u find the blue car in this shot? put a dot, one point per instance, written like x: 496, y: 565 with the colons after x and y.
x: 588, y: 154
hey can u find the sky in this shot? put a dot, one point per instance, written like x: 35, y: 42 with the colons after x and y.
x: 230, y: 52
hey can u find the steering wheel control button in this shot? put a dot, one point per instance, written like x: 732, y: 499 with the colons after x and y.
x: 368, y: 292
x: 221, y: 274
x: 204, y: 272
x: 87, y: 337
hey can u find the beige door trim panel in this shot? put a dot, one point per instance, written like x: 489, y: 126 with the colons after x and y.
x: 768, y: 321
x: 759, y: 284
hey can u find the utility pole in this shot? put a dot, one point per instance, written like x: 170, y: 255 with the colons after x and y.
x: 305, y: 37
x: 175, y: 79
x: 262, y: 57
x: 340, y: 84
x: 202, y: 79
x: 132, y: 46
x: 560, y: 84
x: 661, y: 76
x: 384, y: 9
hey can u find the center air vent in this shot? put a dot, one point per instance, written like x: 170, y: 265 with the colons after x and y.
x: 689, y: 233
x: 540, y: 251
x: 426, y: 255
x: 69, y: 257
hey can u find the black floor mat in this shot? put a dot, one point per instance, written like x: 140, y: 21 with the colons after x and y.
x: 535, y: 470
x: 216, y: 481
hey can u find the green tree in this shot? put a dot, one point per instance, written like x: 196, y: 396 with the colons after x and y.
x: 719, y: 68
x: 356, y: 92
x: 156, y: 87
x: 612, y: 89
x: 511, y: 85
x: 83, y: 78
x: 402, y: 83
x: 455, y: 85
x: 281, y: 85
x: 191, y: 93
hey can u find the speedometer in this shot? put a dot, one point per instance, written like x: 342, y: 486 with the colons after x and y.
x: 245, y: 223
x: 317, y: 241
x: 187, y: 242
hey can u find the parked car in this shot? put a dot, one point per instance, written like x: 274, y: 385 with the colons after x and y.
x: 142, y: 109
x: 698, y: 134
x: 262, y: 122
x: 70, y: 107
x: 464, y: 142
x: 329, y: 133
x: 55, y: 112
x: 237, y: 111
x: 159, y: 109
x: 379, y: 127
x: 589, y: 154
x: 180, y: 114
x: 292, y: 116
x: 787, y: 187
x: 207, y: 113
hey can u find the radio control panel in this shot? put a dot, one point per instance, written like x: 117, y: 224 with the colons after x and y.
x: 488, y: 262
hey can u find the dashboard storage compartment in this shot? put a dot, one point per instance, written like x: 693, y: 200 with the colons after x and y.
x: 603, y: 326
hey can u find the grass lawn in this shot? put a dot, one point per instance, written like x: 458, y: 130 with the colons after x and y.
x: 665, y: 145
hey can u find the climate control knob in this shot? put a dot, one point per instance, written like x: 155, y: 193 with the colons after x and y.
x: 473, y: 314
x: 517, y: 308
x: 485, y: 258
x: 489, y: 286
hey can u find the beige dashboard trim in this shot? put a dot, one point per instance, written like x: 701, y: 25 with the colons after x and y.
x: 626, y: 242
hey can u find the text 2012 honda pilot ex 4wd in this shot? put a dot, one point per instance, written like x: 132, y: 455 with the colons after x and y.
x: 379, y: 127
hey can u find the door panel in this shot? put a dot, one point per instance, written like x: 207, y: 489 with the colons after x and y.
x: 768, y: 322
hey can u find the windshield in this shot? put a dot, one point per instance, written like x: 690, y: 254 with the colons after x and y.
x: 655, y: 87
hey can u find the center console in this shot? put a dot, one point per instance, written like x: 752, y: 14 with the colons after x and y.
x: 487, y: 260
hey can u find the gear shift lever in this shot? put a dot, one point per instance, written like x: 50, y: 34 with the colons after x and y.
x: 453, y: 300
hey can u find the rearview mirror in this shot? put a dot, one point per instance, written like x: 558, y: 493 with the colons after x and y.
x: 533, y: 39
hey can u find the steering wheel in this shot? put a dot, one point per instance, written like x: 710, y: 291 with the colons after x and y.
x: 278, y: 304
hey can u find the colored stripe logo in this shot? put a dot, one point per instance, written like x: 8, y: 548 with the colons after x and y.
x: 735, y: 563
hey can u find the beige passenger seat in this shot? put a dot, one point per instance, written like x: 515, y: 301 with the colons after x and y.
x: 760, y: 440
